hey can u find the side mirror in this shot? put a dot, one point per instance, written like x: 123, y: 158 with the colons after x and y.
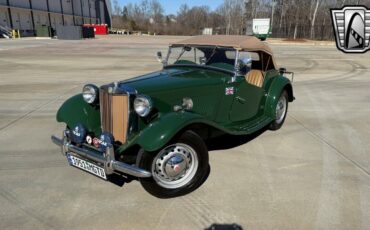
x: 159, y: 57
x: 187, y: 48
x: 203, y: 60
x: 247, y: 62
x: 241, y: 63
x: 282, y: 70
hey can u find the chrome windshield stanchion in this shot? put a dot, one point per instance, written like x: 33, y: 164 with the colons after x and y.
x: 236, y: 67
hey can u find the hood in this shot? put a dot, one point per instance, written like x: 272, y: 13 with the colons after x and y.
x: 169, y: 86
x: 173, y: 79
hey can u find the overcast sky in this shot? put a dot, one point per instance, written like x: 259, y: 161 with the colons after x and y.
x: 171, y: 6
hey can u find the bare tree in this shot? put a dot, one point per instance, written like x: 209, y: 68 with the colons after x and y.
x: 314, y: 18
x: 116, y: 8
x: 273, y: 3
x: 156, y: 11
x: 289, y: 18
x: 233, y: 12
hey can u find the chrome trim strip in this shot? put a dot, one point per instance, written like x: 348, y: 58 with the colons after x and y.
x: 107, y: 158
x: 130, y: 169
x: 57, y: 141
x: 85, y: 153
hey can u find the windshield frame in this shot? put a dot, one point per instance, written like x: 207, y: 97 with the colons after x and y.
x: 233, y: 72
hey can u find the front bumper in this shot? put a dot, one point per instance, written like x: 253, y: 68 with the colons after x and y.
x: 106, y: 159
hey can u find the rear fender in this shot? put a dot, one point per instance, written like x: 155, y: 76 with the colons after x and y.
x: 75, y: 110
x: 279, y: 84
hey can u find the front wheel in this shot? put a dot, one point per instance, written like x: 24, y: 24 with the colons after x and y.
x: 281, y: 111
x: 178, y: 168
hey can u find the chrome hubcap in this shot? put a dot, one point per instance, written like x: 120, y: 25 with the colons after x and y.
x: 175, y: 166
x: 281, y: 109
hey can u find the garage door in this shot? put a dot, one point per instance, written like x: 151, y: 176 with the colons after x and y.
x: 41, y: 19
x: 79, y: 21
x: 22, y: 19
x: 68, y: 20
x: 56, y: 20
x: 4, y: 18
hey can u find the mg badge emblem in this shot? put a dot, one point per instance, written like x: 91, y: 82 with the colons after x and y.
x: 352, y: 28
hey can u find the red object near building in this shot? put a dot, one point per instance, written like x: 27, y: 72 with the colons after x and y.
x: 99, y: 29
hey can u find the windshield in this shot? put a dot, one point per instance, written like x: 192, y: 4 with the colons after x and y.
x: 199, y: 55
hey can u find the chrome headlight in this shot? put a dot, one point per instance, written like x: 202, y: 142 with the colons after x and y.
x: 143, y: 105
x: 90, y: 93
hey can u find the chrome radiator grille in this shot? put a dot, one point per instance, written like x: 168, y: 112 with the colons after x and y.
x: 114, y: 114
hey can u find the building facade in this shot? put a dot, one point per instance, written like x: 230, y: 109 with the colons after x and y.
x: 25, y: 15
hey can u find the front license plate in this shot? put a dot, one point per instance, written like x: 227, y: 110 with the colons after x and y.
x: 87, y: 166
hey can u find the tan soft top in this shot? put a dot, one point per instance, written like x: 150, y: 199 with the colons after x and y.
x: 247, y: 43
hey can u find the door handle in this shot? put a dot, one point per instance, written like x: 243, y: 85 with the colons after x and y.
x: 242, y: 100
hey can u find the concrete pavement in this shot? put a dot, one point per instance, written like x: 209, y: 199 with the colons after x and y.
x: 312, y: 174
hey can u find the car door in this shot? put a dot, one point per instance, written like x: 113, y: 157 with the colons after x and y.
x: 247, y: 100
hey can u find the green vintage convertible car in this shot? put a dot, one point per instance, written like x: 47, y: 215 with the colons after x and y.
x: 154, y: 127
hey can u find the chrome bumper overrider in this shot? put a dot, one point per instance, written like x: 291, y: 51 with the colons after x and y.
x: 107, y: 158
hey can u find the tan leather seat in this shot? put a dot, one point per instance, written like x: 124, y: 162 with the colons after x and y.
x: 255, y: 77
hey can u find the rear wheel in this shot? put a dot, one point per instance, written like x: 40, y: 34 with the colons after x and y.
x: 178, y: 168
x: 281, y: 111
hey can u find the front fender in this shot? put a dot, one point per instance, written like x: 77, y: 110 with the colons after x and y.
x: 76, y: 110
x: 277, y: 86
x: 161, y: 131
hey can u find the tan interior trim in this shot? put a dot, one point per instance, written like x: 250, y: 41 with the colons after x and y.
x: 255, y: 77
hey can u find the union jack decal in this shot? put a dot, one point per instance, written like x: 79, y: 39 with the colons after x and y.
x: 229, y: 91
